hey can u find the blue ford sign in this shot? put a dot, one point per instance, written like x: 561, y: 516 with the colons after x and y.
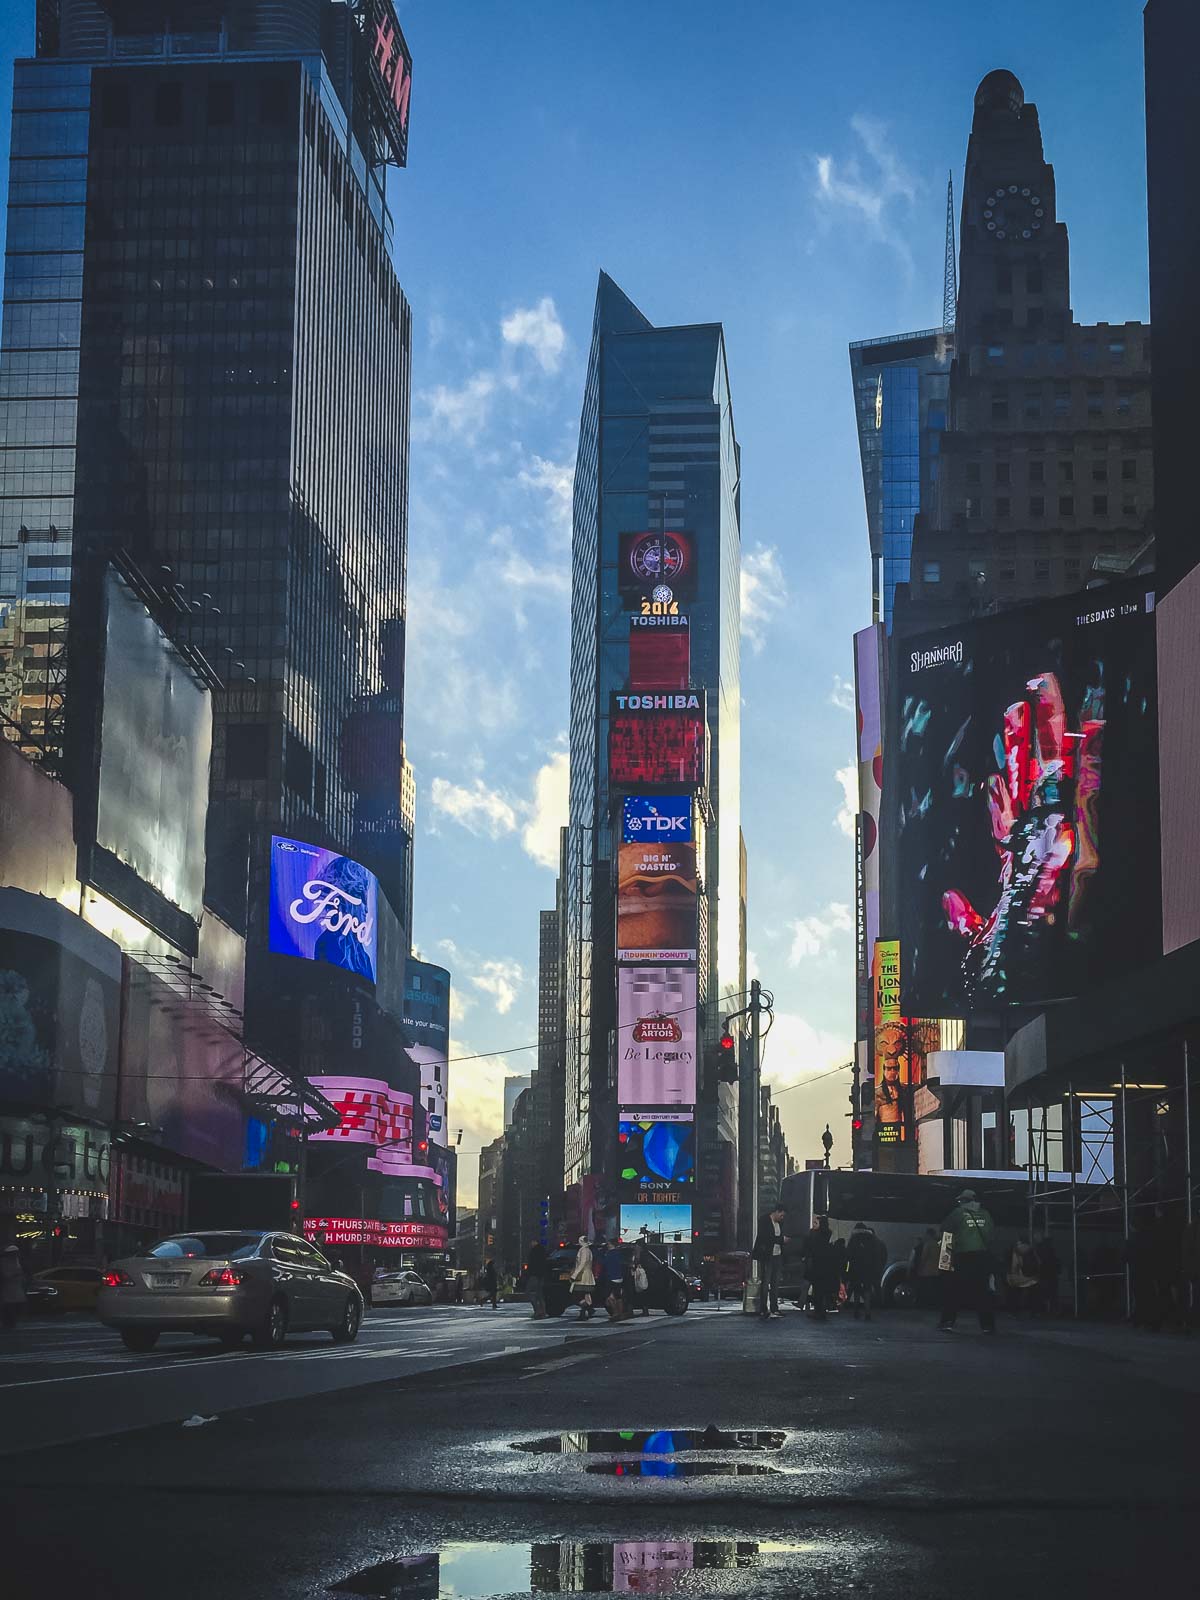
x: 665, y: 816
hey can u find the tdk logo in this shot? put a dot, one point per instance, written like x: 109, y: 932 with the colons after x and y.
x: 666, y: 816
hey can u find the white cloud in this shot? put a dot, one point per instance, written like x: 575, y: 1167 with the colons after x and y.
x: 797, y: 1050
x: 847, y: 777
x: 517, y: 571
x: 842, y: 693
x: 502, y: 980
x: 556, y: 480
x: 764, y: 592
x: 482, y: 811
x: 463, y: 412
x: 872, y: 187
x: 811, y: 935
x: 539, y: 330
x: 549, y: 811
x: 489, y: 813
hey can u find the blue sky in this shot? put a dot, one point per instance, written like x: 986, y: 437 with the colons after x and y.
x: 778, y: 166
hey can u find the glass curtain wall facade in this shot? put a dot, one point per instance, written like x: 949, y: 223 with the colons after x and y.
x: 657, y: 453
x: 39, y: 385
x: 205, y: 378
x: 901, y: 385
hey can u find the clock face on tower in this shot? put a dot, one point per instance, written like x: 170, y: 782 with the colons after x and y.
x: 1013, y: 211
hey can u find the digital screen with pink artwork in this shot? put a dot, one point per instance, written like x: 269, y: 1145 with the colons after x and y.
x: 1026, y: 760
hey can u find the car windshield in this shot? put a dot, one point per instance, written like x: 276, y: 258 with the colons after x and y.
x: 226, y: 1246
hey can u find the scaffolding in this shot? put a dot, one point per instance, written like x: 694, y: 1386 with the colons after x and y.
x: 1116, y: 1162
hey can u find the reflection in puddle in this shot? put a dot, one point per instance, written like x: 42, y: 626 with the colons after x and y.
x: 478, y: 1571
x: 654, y: 1443
x: 656, y: 1468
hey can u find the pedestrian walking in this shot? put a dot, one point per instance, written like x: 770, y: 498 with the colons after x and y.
x: 12, y: 1277
x: 768, y: 1252
x: 583, y: 1280
x: 640, y: 1299
x: 866, y: 1257
x: 489, y: 1283
x: 824, y: 1265
x: 614, y: 1284
x: 535, y: 1278
x: 924, y: 1269
x: 968, y: 1283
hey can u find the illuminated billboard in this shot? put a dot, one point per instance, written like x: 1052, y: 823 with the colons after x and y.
x: 329, y: 1231
x: 672, y: 1224
x: 656, y: 1036
x: 427, y: 1038
x: 659, y: 660
x: 1026, y: 763
x: 656, y: 1155
x: 656, y: 566
x: 378, y: 1116
x: 657, y: 740
x: 868, y: 646
x: 323, y: 907
x: 155, y: 741
x: 656, y: 901
x: 664, y: 817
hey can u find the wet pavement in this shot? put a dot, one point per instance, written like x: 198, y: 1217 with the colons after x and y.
x: 709, y: 1456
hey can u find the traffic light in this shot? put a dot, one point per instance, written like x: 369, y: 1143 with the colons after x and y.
x: 422, y: 1147
x: 727, y: 1065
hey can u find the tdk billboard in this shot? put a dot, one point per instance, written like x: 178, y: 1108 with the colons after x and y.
x: 665, y: 816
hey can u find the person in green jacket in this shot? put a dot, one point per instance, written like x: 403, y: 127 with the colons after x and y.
x: 968, y: 1284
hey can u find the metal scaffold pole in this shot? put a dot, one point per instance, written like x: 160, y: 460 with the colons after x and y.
x: 1125, y: 1195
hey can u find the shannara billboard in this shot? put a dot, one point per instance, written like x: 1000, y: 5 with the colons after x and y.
x: 1027, y: 804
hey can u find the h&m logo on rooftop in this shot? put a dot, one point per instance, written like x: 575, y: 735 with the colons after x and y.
x: 658, y: 702
x: 391, y: 61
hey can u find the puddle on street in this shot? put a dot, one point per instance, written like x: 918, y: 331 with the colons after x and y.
x: 662, y: 1442
x: 481, y: 1571
x: 657, y: 1467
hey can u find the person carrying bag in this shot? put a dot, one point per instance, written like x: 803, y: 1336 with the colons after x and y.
x: 583, y: 1280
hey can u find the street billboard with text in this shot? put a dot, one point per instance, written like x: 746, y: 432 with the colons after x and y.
x: 323, y: 907
x: 656, y: 1036
x: 656, y: 902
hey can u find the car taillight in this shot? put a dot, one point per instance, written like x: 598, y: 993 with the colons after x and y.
x: 116, y: 1279
x: 222, y: 1277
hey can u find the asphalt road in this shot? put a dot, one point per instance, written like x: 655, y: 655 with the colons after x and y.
x: 1046, y: 1461
x: 66, y: 1379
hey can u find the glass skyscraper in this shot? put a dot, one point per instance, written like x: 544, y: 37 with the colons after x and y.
x: 205, y: 378
x: 900, y: 388
x: 658, y: 460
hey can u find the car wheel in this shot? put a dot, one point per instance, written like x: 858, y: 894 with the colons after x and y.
x: 231, y: 1338
x: 677, y: 1303
x: 272, y: 1330
x: 139, y: 1338
x: 347, y: 1329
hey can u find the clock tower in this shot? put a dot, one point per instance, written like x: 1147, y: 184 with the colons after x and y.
x: 1015, y: 269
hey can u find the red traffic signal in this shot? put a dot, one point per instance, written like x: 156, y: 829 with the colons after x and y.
x: 727, y: 1065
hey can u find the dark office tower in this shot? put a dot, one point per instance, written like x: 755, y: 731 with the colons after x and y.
x: 901, y: 384
x: 206, y: 374
x: 1172, y: 160
x: 652, y: 942
x: 1045, y: 475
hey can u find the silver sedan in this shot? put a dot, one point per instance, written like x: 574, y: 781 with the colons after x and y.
x: 229, y: 1284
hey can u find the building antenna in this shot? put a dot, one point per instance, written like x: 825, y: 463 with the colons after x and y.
x: 950, y: 282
